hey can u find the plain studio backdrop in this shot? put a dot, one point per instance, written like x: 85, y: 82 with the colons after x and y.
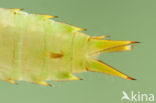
x: 120, y: 19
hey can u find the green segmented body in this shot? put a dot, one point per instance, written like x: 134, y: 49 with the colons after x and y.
x: 35, y: 48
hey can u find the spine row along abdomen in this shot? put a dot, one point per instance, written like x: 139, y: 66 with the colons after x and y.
x: 35, y: 48
x: 41, y: 49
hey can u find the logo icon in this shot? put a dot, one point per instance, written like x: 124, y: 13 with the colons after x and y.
x: 125, y: 96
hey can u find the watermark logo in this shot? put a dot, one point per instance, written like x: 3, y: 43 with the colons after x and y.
x: 137, y: 96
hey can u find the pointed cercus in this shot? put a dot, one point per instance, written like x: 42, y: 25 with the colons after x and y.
x: 36, y: 48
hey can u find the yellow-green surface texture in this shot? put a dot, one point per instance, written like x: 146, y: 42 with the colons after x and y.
x: 120, y: 19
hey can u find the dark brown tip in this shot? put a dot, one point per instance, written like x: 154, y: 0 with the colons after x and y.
x: 56, y: 16
x: 130, y: 78
x: 22, y: 9
x: 84, y: 29
x: 86, y: 69
x: 135, y: 42
x: 108, y: 36
x: 81, y: 79
x: 49, y: 85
